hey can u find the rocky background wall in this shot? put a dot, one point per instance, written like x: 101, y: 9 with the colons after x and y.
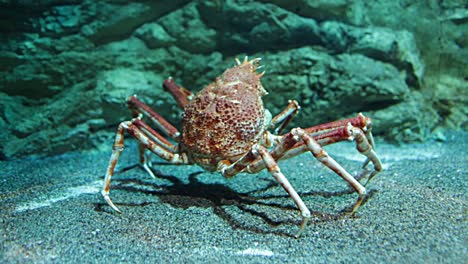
x: 67, y: 67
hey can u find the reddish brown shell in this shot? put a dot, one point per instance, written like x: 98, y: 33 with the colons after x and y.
x: 226, y: 118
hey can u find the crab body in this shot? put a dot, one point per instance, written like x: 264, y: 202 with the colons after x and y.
x: 225, y: 119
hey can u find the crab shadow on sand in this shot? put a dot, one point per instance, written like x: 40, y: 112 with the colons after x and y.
x: 195, y: 193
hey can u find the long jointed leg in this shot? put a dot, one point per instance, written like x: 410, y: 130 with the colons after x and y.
x: 154, y: 136
x: 359, y: 121
x: 180, y: 94
x: 161, y: 123
x: 365, y: 145
x: 144, y: 160
x: 117, y: 148
x: 328, y: 161
x: 146, y: 142
x: 273, y: 168
x: 288, y: 147
x: 140, y: 110
x: 285, y: 116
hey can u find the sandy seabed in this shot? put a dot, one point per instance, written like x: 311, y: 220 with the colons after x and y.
x: 415, y: 212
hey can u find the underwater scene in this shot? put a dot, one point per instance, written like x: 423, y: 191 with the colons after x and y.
x: 233, y: 131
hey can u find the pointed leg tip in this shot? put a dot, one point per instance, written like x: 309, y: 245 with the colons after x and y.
x: 299, y: 233
x: 115, y: 207
x: 305, y: 219
x: 148, y: 170
x: 109, y: 202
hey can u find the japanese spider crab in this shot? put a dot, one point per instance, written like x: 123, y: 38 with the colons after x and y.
x: 225, y: 128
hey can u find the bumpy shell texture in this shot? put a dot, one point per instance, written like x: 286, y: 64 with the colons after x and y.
x: 226, y: 118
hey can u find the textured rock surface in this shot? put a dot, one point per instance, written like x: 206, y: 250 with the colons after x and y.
x: 68, y: 66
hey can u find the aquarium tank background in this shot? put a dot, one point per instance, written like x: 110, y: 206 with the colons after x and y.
x: 67, y: 67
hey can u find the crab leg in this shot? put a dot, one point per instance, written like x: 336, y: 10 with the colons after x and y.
x: 274, y: 169
x: 285, y: 116
x: 154, y: 136
x: 314, y: 147
x: 287, y: 146
x: 358, y: 128
x: 139, y: 107
x: 363, y: 145
x: 146, y: 138
x: 228, y: 169
x: 180, y: 94
x: 360, y: 121
x: 298, y: 141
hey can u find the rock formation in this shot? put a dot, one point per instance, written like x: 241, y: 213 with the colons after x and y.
x: 68, y: 66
